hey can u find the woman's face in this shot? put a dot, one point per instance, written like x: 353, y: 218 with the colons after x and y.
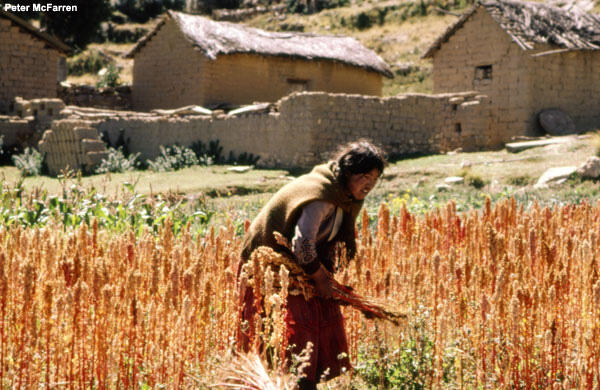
x: 360, y: 184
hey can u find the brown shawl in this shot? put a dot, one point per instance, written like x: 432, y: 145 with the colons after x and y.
x: 283, y: 210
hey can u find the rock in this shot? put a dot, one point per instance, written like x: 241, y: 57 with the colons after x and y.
x: 590, y: 169
x: 455, y: 151
x: 556, y: 122
x: 466, y: 164
x: 454, y: 180
x: 240, y: 169
x: 554, y: 175
x: 442, y: 187
x: 516, y: 147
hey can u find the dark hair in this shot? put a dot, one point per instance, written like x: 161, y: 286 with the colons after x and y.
x: 358, y: 157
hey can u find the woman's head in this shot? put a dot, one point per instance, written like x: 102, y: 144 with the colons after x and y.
x: 359, y: 165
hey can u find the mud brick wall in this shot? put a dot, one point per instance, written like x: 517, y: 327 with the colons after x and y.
x: 569, y: 81
x: 310, y: 125
x: 28, y: 67
x: 522, y: 82
x: 118, y: 98
x: 169, y: 73
x: 15, y: 131
x: 72, y: 144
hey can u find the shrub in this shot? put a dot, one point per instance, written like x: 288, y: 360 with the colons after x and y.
x: 142, y: 10
x: 109, y: 77
x: 521, y: 180
x: 80, y: 27
x: 208, y: 154
x: 408, y: 367
x: 213, y: 154
x: 89, y: 61
x: 29, y: 162
x: 118, y: 161
x: 172, y: 158
x: 242, y: 159
x: 296, y: 6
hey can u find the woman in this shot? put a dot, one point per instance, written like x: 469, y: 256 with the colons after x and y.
x: 316, y: 212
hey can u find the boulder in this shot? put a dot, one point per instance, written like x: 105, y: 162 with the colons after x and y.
x: 454, y: 180
x: 556, y: 122
x: 555, y: 175
x: 590, y: 169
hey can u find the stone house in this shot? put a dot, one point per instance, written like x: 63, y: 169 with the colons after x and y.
x: 31, y: 61
x: 525, y: 57
x: 189, y: 59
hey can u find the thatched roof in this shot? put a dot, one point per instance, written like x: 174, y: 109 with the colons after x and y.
x: 530, y: 23
x: 48, y: 39
x: 221, y: 38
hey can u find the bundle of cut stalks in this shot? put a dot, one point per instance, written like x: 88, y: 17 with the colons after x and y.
x: 247, y: 372
x: 371, y: 308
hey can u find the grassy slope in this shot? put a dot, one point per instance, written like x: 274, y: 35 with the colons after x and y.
x: 400, y: 39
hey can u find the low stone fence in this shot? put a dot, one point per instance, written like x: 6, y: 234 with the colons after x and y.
x: 298, y: 131
x: 118, y: 98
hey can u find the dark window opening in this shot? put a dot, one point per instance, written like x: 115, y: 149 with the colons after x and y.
x: 458, y: 128
x: 11, y: 107
x: 483, y: 72
x: 454, y: 107
x: 50, y: 111
x: 297, y: 85
x: 34, y: 112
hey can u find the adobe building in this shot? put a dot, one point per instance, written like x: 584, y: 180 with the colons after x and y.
x: 189, y: 59
x: 31, y: 62
x: 525, y: 57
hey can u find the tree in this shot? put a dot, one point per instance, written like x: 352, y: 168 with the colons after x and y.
x: 76, y: 28
x: 142, y: 10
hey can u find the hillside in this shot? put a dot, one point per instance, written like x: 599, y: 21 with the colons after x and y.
x: 398, y: 31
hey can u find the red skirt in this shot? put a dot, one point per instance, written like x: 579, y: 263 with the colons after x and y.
x: 317, y: 320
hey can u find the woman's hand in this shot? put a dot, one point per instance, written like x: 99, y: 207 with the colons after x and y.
x: 322, y: 282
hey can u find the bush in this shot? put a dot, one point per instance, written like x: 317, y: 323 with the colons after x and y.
x: 213, y: 154
x: 521, y: 181
x: 208, y: 154
x: 142, y: 10
x: 172, y: 158
x: 118, y: 161
x: 109, y: 77
x: 78, y: 28
x: 296, y: 6
x: 243, y: 159
x: 89, y: 61
x: 407, y: 367
x: 29, y: 162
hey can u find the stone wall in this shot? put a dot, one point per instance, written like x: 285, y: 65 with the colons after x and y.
x: 27, y: 121
x: 569, y: 81
x: 168, y: 73
x: 28, y: 67
x: 246, y: 78
x: 481, y: 43
x: 72, y: 144
x: 521, y: 83
x: 310, y: 125
x: 118, y: 98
